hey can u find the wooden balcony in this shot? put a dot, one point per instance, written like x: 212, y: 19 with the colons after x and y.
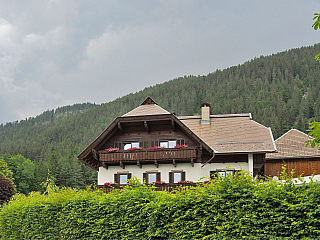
x: 168, y: 187
x: 144, y: 155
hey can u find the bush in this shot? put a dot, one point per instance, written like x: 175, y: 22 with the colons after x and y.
x: 6, y: 190
x: 229, y: 209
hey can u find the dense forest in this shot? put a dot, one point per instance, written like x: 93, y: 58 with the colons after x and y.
x: 282, y: 91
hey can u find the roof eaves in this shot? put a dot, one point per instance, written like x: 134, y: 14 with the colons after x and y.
x: 294, y: 157
x: 272, y: 138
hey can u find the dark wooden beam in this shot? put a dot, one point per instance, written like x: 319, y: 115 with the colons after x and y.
x: 139, y: 164
x: 174, y: 163
x: 119, y: 127
x: 146, y: 126
x: 156, y: 163
x: 104, y: 165
x: 172, y: 124
x: 122, y: 164
x: 95, y: 154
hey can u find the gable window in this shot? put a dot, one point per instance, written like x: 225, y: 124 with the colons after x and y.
x: 151, y: 177
x: 122, y: 178
x: 168, y: 144
x: 177, y: 176
x: 128, y: 145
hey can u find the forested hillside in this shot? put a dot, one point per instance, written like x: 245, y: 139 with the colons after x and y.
x: 281, y: 91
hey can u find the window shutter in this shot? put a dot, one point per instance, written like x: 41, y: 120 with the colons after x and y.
x: 182, y: 142
x: 145, y: 177
x: 116, y: 145
x: 158, y: 176
x: 170, y: 177
x: 116, y: 177
x: 213, y: 174
x: 141, y: 144
x: 183, y: 176
x: 129, y: 175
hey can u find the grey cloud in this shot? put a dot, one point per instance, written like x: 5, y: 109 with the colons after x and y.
x: 61, y: 52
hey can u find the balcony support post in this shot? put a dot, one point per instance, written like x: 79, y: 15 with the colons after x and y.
x: 156, y: 163
x: 192, y: 162
x: 174, y: 163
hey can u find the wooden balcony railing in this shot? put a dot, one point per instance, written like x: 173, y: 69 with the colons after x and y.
x: 159, y: 154
x: 169, y: 187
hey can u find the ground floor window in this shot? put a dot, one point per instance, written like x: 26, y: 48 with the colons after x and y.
x: 122, y: 178
x: 177, y: 176
x: 151, y: 177
x: 222, y: 173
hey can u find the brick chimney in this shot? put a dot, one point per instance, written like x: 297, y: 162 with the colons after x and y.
x: 205, y: 113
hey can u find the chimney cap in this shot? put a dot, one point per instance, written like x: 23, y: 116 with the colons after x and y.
x: 205, y: 104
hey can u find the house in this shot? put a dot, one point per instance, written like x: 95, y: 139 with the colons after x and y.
x: 155, y: 145
x: 292, y: 151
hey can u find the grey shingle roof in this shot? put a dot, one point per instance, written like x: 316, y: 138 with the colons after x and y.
x: 232, y: 133
x: 150, y: 109
x: 292, y: 145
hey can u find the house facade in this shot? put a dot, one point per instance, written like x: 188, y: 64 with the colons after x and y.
x: 155, y: 145
x: 293, y: 152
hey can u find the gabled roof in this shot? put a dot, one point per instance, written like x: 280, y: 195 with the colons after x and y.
x: 292, y: 145
x: 143, y: 110
x: 232, y: 133
x: 226, y: 134
x: 148, y: 107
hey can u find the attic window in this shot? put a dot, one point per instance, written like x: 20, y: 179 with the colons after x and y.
x: 128, y: 145
x: 168, y: 144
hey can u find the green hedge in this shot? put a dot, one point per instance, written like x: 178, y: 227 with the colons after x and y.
x: 228, y: 209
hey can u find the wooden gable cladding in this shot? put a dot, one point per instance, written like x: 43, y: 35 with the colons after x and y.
x: 149, y: 139
x: 147, y: 130
x: 148, y: 101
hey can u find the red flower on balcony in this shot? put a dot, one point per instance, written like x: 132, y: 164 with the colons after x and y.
x: 109, y: 183
x: 112, y: 149
x: 181, y: 146
x: 135, y: 148
x: 155, y: 148
x: 159, y: 182
x: 185, y: 181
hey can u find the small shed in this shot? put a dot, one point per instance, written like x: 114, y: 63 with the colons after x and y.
x: 292, y: 151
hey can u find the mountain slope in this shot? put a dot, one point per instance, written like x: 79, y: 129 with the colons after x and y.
x: 281, y: 91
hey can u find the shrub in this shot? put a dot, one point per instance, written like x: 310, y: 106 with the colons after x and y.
x: 226, y: 208
x: 6, y: 190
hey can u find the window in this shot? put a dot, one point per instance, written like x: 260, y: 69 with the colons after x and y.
x: 168, y: 144
x: 177, y: 176
x: 222, y: 173
x: 151, y: 177
x: 126, y: 146
x: 122, y: 178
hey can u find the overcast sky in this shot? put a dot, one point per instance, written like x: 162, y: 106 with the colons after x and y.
x: 60, y: 52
